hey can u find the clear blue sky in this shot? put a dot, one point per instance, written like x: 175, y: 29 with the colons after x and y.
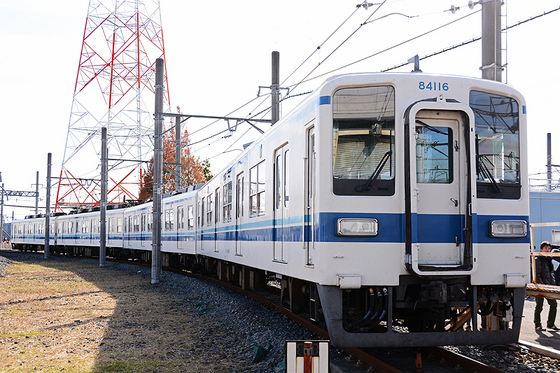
x: 218, y: 54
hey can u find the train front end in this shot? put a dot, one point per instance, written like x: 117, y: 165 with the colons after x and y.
x: 420, y: 233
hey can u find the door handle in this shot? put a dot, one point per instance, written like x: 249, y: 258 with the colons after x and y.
x: 454, y: 201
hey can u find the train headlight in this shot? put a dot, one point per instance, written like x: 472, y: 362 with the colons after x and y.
x: 356, y: 227
x: 508, y: 228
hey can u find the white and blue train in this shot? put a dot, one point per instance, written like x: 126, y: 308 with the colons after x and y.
x: 392, y: 206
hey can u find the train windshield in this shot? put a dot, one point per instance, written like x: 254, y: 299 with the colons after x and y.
x: 363, y: 141
x: 497, y: 145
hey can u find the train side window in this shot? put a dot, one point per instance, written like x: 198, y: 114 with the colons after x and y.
x: 256, y: 192
x: 217, y: 207
x: 240, y: 199
x: 286, y: 178
x: 209, y: 209
x: 190, y: 219
x: 497, y: 145
x: 363, y: 141
x: 119, y: 225
x: 169, y: 218
x: 228, y: 198
x: 180, y: 218
x: 143, y: 222
x: 201, y: 215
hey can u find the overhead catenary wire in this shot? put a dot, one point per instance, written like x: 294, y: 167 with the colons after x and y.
x: 368, y: 21
x: 390, y: 48
x: 466, y: 42
x: 339, y: 46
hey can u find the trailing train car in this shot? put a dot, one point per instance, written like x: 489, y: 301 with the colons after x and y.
x: 392, y: 206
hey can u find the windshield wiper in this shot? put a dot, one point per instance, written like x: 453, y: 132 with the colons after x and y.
x: 483, y: 169
x: 367, y: 186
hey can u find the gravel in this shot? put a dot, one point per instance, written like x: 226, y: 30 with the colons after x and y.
x: 255, y: 327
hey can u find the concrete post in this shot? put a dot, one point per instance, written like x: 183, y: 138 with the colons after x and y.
x: 492, y: 40
x: 158, y: 174
x: 48, y: 208
x: 275, y: 87
x: 178, y: 153
x: 103, y: 206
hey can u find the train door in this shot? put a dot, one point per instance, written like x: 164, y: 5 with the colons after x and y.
x: 439, y: 180
x: 180, y: 226
x: 281, y: 200
x: 309, y: 216
x: 239, y: 205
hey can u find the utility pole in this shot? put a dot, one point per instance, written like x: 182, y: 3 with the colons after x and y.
x: 492, y: 40
x: 1, y: 214
x: 47, y: 207
x: 275, y: 87
x: 548, y: 162
x: 177, y: 153
x: 158, y: 174
x: 37, y: 191
x: 103, y: 205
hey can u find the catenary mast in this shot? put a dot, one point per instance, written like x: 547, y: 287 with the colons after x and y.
x: 114, y: 88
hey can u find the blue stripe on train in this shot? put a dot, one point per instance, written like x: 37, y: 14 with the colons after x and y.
x: 391, y: 227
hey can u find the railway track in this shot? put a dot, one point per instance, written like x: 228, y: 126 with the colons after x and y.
x: 434, y: 359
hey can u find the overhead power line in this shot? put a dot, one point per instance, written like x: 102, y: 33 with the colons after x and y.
x: 467, y: 42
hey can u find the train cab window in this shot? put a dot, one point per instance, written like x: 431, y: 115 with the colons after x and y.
x: 497, y: 145
x: 256, y: 193
x: 363, y: 141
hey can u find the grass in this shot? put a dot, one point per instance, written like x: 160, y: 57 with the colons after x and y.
x: 72, y: 316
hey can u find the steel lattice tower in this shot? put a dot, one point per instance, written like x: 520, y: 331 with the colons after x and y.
x: 114, y: 89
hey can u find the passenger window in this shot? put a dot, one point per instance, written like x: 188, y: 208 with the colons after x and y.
x: 228, y: 197
x: 256, y: 193
x: 190, y: 217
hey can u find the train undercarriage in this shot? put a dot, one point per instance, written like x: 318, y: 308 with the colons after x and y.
x: 418, y: 312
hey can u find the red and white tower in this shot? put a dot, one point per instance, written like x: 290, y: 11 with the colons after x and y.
x: 114, y: 89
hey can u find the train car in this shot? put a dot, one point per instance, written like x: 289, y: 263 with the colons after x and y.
x: 29, y: 234
x: 393, y: 207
